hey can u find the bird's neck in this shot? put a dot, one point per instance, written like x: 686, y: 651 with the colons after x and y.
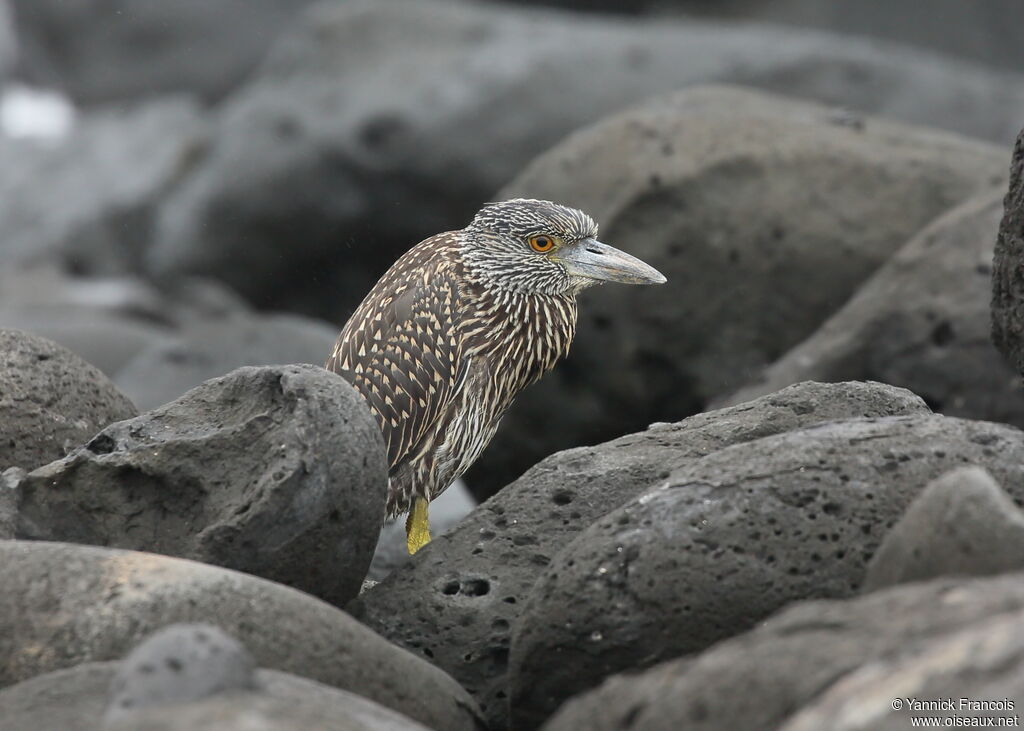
x: 522, y: 334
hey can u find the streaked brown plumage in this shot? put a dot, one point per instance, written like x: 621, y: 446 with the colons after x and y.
x: 460, y: 324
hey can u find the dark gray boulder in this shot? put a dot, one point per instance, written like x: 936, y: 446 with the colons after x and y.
x: 74, y: 699
x: 179, y: 664
x: 50, y: 401
x: 87, y: 200
x: 9, y: 480
x: 278, y: 471
x: 96, y: 604
x: 921, y: 322
x: 981, y: 668
x: 759, y: 679
x: 982, y: 30
x: 729, y: 539
x: 1007, y: 284
x: 244, y: 713
x: 961, y: 524
x: 167, y: 368
x: 108, y: 320
x: 105, y: 50
x: 8, y: 47
x: 392, y: 121
x: 154, y: 342
x: 764, y: 213
x: 105, y: 339
x: 457, y: 600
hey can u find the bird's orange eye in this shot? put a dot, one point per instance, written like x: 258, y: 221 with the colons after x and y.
x: 542, y: 243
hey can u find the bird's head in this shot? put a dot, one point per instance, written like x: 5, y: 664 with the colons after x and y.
x: 541, y: 247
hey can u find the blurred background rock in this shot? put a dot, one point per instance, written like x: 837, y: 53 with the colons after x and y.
x: 191, y: 186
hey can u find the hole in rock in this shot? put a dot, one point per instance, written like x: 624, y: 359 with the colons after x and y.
x: 476, y: 587
x: 101, y: 444
x: 562, y: 497
x: 942, y: 333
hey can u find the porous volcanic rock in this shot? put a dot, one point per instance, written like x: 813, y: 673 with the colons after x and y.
x: 921, y: 322
x: 74, y: 699
x: 96, y: 604
x: 373, y: 125
x: 757, y: 680
x: 764, y: 213
x: 729, y: 539
x: 9, y: 479
x: 179, y: 664
x: 278, y: 471
x: 248, y: 712
x: 1007, y: 283
x: 458, y: 598
x: 50, y: 401
x: 981, y: 668
x: 105, y: 50
x: 961, y: 524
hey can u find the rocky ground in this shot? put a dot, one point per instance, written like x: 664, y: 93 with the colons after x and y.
x: 779, y: 492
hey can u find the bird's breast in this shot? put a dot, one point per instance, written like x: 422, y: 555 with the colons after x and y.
x: 517, y: 338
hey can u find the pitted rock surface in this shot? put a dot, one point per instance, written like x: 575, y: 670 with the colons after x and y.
x: 278, y: 471
x: 982, y: 664
x: 457, y: 600
x: 729, y: 539
x: 249, y: 713
x: 179, y: 664
x: 920, y: 322
x: 1007, y: 283
x: 961, y: 524
x: 96, y: 604
x: 73, y: 700
x: 50, y: 401
x: 759, y: 679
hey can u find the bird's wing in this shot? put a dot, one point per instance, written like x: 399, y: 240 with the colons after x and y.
x: 401, y: 348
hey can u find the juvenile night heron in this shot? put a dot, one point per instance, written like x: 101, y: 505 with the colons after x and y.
x: 458, y: 326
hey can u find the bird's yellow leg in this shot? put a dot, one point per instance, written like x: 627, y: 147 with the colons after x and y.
x: 417, y: 526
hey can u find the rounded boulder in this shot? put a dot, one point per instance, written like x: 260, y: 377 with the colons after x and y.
x: 278, y: 471
x: 728, y: 540
x: 97, y: 604
x: 51, y: 401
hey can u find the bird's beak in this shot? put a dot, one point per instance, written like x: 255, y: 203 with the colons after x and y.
x: 591, y: 259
